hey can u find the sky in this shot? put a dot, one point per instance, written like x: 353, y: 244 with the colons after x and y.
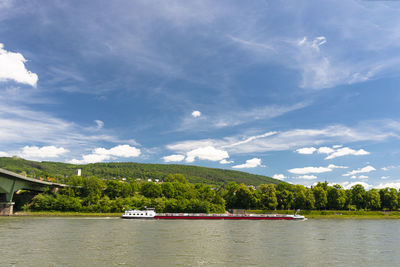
x: 302, y: 91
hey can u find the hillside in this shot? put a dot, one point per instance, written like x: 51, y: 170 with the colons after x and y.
x: 132, y: 170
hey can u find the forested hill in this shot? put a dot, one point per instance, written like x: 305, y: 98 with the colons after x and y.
x: 130, y: 170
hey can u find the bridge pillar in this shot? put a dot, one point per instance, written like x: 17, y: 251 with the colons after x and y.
x: 6, y: 208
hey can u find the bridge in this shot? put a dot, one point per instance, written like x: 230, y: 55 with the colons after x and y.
x: 11, y: 182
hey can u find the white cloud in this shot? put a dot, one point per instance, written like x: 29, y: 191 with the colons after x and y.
x: 174, y: 158
x: 101, y: 154
x: 124, y: 151
x: 34, y: 152
x: 366, y: 169
x: 12, y: 67
x: 390, y: 185
x: 348, y: 185
x: 4, y: 154
x: 196, y: 114
x: 386, y: 168
x: 333, y: 166
x: 279, y: 176
x: 385, y: 177
x: 347, y: 151
x: 292, y: 139
x: 206, y: 153
x: 307, y: 170
x: 363, y: 177
x: 307, y: 177
x: 325, y: 150
x: 99, y: 124
x: 224, y: 161
x: 306, y: 150
x: 333, y: 152
x: 250, y: 139
x: 250, y: 163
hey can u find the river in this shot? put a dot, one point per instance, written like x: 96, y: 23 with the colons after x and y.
x: 76, y: 241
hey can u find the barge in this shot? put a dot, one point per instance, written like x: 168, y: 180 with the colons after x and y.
x: 151, y: 214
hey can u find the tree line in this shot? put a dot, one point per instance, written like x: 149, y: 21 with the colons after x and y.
x: 176, y: 194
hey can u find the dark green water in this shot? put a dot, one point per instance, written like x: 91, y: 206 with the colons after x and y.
x: 52, y: 241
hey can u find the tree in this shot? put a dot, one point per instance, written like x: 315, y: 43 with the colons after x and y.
x: 230, y: 194
x: 151, y: 190
x: 300, y: 198
x: 268, y: 196
x: 389, y: 198
x: 336, y: 197
x: 373, y: 200
x: 180, y: 178
x: 358, y: 196
x: 320, y: 195
x: 168, y: 190
x: 92, y: 189
x: 285, y: 199
x: 245, y: 197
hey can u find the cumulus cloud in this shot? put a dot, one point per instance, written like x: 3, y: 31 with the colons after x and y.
x: 347, y: 151
x: 4, y: 154
x: 333, y: 152
x: 279, y: 176
x: 224, y: 161
x: 363, y: 177
x: 101, y: 154
x: 206, y: 153
x: 390, y: 185
x: 348, y: 185
x: 250, y: 163
x: 306, y: 150
x: 35, y: 152
x: 174, y: 158
x: 326, y: 150
x: 366, y: 169
x: 12, y: 67
x: 196, y: 113
x: 307, y: 170
x: 333, y: 166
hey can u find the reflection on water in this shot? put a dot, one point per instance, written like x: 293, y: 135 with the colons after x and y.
x: 51, y: 241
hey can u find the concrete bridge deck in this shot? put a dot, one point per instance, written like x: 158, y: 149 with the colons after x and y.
x: 11, y: 182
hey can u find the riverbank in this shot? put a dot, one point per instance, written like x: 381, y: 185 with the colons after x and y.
x: 313, y: 214
x: 66, y: 214
x: 338, y: 214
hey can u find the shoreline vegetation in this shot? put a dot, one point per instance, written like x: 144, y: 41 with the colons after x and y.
x: 91, y: 195
x: 111, y: 188
x: 310, y: 214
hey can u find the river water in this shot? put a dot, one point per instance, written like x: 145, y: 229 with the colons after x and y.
x: 75, y: 241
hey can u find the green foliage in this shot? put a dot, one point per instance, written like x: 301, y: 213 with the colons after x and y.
x: 151, y: 190
x: 102, y: 189
x: 63, y: 172
x: 321, y: 197
x: 358, y: 194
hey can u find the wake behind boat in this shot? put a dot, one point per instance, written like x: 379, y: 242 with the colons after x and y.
x: 151, y: 214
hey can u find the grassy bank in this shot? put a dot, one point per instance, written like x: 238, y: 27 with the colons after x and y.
x: 310, y: 214
x: 339, y: 214
x: 66, y: 214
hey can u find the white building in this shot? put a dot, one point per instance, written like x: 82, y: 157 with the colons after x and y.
x: 78, y: 172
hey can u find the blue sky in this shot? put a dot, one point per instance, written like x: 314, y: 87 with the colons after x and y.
x: 301, y: 91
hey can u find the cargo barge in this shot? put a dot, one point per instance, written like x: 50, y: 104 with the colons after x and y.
x: 151, y: 214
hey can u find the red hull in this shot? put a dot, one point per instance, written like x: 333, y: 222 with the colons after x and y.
x: 188, y: 217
